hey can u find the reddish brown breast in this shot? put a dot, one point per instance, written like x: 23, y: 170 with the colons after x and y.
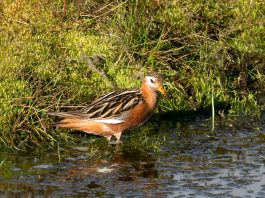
x: 140, y: 113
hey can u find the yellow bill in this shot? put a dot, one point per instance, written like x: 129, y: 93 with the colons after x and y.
x: 163, y: 91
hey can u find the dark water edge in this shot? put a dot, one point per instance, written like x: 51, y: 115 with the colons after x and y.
x: 191, y: 161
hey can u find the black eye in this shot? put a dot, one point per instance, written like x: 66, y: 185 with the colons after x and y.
x: 152, y: 81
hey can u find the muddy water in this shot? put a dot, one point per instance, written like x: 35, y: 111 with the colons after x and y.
x: 180, y: 159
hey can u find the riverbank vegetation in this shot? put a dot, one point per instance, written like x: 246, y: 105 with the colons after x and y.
x: 57, y: 55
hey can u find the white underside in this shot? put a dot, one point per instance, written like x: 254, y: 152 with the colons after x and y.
x: 110, y: 121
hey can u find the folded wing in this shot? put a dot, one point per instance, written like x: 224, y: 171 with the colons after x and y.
x: 111, y: 108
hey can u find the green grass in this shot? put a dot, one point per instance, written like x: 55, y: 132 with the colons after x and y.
x: 53, y: 57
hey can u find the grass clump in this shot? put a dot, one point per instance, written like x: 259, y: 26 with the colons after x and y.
x: 64, y: 53
x: 42, y: 65
x: 197, y: 45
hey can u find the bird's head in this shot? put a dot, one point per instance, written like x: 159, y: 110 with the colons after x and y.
x: 155, y: 82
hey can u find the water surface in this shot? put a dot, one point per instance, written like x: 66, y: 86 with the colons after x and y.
x: 172, y: 159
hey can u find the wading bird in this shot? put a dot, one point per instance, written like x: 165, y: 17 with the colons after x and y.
x: 116, y: 111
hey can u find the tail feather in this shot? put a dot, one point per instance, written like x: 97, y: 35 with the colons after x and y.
x: 68, y: 114
x: 73, y: 123
x: 83, y: 125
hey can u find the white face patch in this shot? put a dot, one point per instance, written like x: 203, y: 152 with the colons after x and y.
x: 151, y: 81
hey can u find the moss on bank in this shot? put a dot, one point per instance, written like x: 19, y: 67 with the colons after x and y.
x: 54, y: 56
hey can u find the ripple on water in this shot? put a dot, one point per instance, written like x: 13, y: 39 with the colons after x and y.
x: 193, y: 162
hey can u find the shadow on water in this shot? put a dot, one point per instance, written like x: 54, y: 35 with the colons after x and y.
x: 191, y: 161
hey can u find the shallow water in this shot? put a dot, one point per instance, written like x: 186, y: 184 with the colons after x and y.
x: 181, y: 159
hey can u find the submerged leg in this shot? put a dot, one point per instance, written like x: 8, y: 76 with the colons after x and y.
x: 110, y: 142
x: 118, y: 137
x: 108, y: 138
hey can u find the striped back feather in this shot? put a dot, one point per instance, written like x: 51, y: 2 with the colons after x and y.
x: 113, y: 104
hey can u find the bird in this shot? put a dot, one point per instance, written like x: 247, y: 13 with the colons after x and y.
x: 117, y: 111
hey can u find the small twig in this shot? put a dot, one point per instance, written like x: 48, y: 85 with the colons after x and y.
x: 20, y: 22
x: 213, y: 113
x: 72, y: 106
x: 64, y: 7
x: 102, y: 8
x: 59, y: 153
x: 92, y: 66
x: 111, y: 10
